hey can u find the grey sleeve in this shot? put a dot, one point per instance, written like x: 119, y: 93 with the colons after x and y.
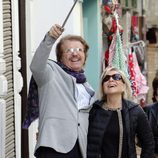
x: 39, y: 66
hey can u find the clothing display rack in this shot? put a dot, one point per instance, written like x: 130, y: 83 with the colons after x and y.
x: 134, y: 43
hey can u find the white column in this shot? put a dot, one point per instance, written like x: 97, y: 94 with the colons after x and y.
x: 2, y: 127
x: 3, y: 87
x: 18, y: 80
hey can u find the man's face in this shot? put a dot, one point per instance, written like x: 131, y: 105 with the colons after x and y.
x: 73, y: 55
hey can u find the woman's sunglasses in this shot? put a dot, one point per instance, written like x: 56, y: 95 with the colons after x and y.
x: 115, y: 77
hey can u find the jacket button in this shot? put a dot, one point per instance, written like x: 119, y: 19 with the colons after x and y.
x: 78, y: 124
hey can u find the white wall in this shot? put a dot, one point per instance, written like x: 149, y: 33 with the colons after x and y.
x: 151, y: 12
x: 40, y: 16
x: 46, y: 13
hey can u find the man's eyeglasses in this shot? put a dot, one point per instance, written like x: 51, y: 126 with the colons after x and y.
x: 72, y: 50
x: 115, y: 77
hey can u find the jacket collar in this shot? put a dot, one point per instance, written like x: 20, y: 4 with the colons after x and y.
x: 154, y: 110
x: 126, y: 104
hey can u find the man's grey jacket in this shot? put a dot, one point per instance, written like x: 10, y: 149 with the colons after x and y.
x: 60, y: 121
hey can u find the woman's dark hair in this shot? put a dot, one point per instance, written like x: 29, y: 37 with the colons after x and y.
x: 155, y: 89
x: 154, y: 94
x: 155, y: 83
x: 59, y: 50
x: 151, y: 35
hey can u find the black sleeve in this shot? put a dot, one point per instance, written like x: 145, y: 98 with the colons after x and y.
x: 145, y: 135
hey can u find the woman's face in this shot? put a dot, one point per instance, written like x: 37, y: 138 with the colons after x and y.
x: 73, y: 55
x: 113, y: 83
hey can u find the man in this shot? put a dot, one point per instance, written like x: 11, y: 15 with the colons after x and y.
x: 64, y: 96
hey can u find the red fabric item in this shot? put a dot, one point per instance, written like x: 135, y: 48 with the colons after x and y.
x: 114, y: 26
x: 132, y: 75
x: 134, y: 21
x: 110, y: 38
x: 134, y: 24
x: 107, y: 9
x: 106, y: 57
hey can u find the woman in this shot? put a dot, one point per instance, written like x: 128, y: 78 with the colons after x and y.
x: 114, y: 122
x: 64, y: 96
x: 152, y: 113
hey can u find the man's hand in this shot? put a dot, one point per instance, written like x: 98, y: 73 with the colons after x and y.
x: 55, y: 31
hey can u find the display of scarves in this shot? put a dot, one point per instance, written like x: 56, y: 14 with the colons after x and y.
x: 138, y: 80
x: 127, y: 63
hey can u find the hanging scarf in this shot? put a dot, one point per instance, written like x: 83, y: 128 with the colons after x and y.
x: 119, y: 59
x: 32, y: 111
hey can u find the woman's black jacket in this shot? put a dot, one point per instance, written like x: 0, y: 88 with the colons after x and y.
x: 152, y: 113
x: 136, y: 124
